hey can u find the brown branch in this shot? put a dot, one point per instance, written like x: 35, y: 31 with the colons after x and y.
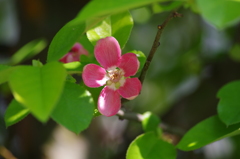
x: 155, y: 45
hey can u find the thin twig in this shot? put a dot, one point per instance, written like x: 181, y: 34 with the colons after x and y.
x: 155, y: 45
x: 139, y: 118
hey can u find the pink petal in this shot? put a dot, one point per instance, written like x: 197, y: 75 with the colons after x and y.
x: 94, y: 75
x: 130, y: 89
x: 64, y: 58
x: 79, y: 49
x: 108, y: 52
x: 129, y: 64
x: 109, y: 102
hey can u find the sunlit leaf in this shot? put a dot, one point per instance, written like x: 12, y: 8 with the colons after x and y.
x: 117, y: 25
x: 149, y: 146
x: 206, y: 132
x: 150, y: 122
x: 229, y: 104
x: 38, y: 88
x: 14, y: 113
x: 75, y: 108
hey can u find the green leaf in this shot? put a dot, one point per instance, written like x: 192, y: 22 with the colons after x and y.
x: 29, y: 50
x: 158, y: 8
x: 220, y: 13
x: 117, y: 25
x: 150, y: 122
x: 72, y: 31
x: 229, y: 104
x: 74, y: 67
x: 38, y: 88
x: 65, y: 39
x: 75, y: 108
x: 206, y: 132
x: 5, y: 72
x: 141, y: 57
x: 122, y: 25
x: 14, y: 113
x: 148, y: 146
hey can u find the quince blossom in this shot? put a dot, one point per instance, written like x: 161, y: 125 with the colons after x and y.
x: 74, y: 54
x: 114, y: 75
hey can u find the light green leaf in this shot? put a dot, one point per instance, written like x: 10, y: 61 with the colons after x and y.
x: 150, y: 122
x: 75, y: 108
x: 38, y: 88
x: 220, y: 13
x: 14, y: 113
x: 229, y: 104
x: 74, y: 67
x: 149, y: 146
x: 27, y: 51
x: 117, y: 25
x: 5, y: 72
x: 206, y: 132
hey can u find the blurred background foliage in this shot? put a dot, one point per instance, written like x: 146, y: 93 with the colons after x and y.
x: 194, y: 60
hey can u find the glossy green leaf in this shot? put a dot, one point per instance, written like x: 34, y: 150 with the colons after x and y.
x: 158, y: 8
x: 74, y: 67
x: 149, y: 146
x: 206, y: 132
x: 102, y: 30
x: 75, y: 108
x: 220, y: 13
x: 38, y: 88
x: 29, y: 50
x: 99, y: 8
x: 117, y: 25
x: 5, y: 72
x: 229, y: 104
x: 150, y: 122
x: 65, y: 39
x: 141, y: 57
x: 14, y: 113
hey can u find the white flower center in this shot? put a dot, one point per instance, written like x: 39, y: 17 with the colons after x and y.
x: 116, y: 78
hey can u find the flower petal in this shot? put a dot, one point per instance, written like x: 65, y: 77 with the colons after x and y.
x: 109, y: 102
x: 130, y: 89
x: 94, y: 75
x: 108, y: 52
x: 79, y: 49
x: 129, y: 64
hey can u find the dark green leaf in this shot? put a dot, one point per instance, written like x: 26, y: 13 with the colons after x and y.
x: 14, y: 113
x: 229, y: 104
x: 75, y: 108
x: 206, y: 132
x: 38, y: 88
x: 99, y: 8
x: 149, y: 146
x: 220, y: 13
x: 65, y: 39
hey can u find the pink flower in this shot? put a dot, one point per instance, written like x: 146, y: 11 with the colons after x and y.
x: 75, y: 53
x: 114, y: 74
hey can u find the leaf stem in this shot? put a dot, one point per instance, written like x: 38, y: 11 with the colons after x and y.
x: 155, y: 45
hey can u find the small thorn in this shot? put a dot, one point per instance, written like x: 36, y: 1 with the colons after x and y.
x: 158, y: 43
